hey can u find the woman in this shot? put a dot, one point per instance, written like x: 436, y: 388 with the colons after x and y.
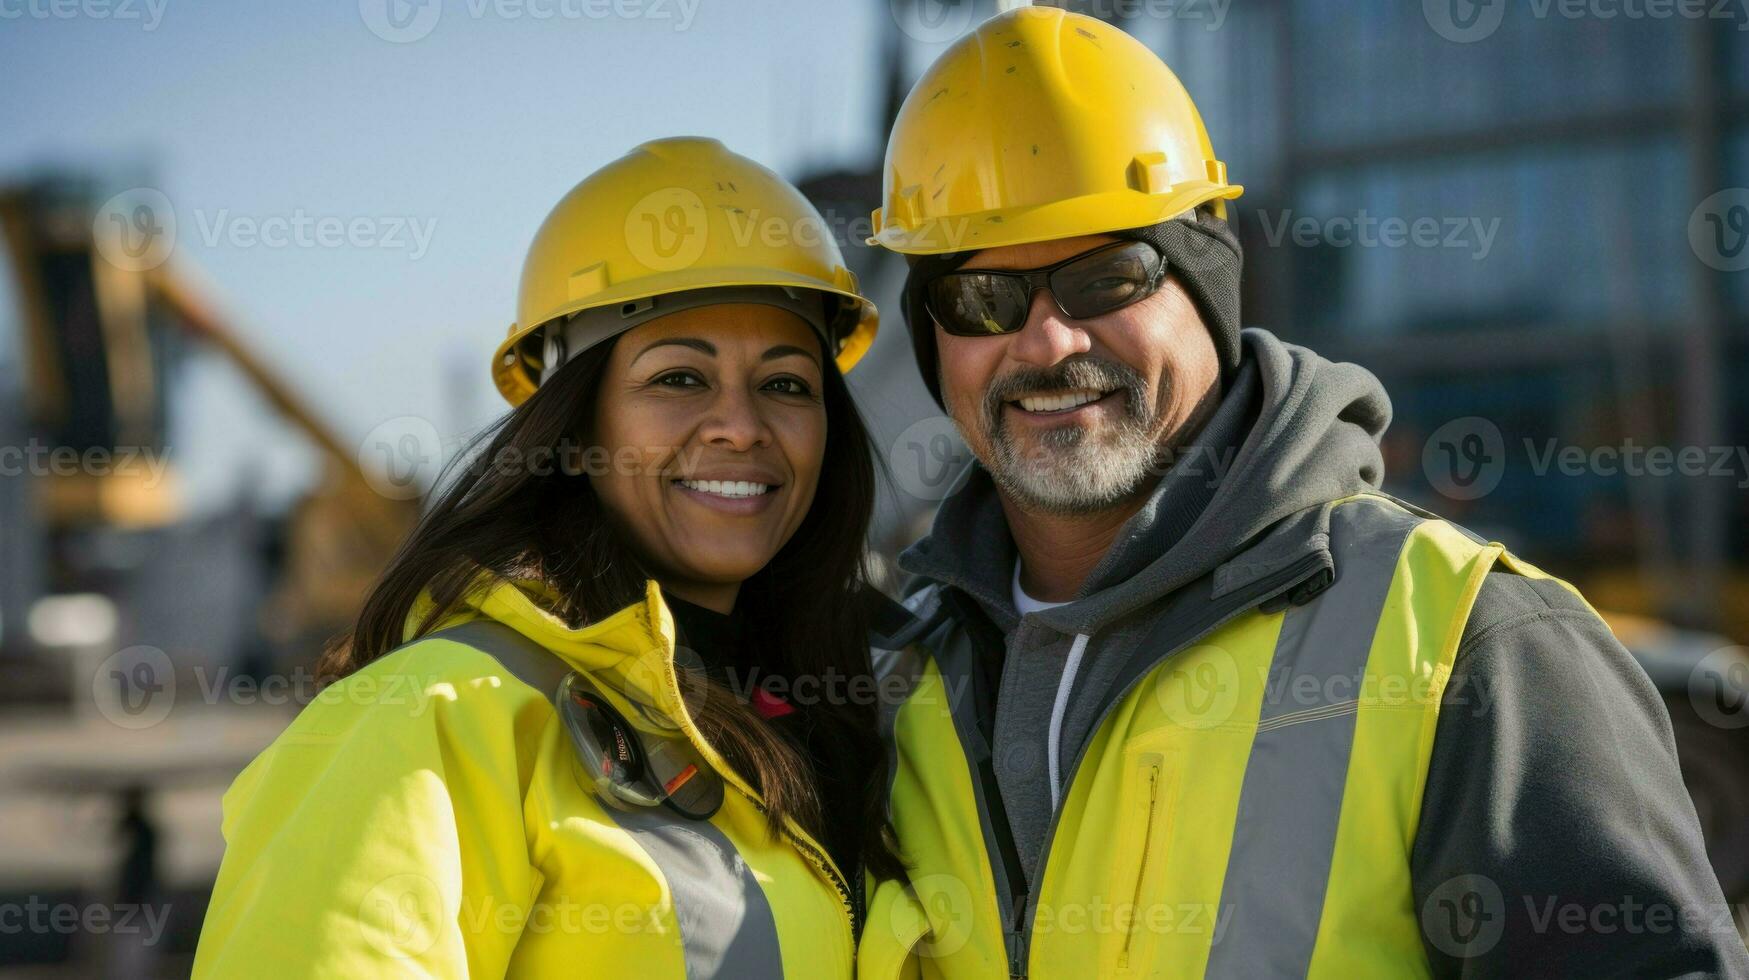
x: 564, y: 741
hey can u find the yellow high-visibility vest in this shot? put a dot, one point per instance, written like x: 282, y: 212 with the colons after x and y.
x: 1246, y: 807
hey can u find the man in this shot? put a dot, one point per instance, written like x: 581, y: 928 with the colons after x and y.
x: 1186, y: 696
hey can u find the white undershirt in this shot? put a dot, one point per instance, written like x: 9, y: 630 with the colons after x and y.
x: 1027, y: 604
x: 1024, y: 603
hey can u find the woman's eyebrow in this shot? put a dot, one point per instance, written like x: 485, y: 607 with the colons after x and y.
x: 702, y: 346
x: 790, y: 350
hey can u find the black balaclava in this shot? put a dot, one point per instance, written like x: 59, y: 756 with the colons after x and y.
x: 1204, y: 256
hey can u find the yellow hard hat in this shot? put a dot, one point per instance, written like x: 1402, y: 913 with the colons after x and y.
x: 1043, y: 124
x: 677, y: 215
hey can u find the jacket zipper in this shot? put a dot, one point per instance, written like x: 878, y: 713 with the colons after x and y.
x: 846, y: 897
x: 1129, y: 939
x: 1020, y: 943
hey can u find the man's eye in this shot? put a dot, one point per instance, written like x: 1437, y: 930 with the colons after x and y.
x: 679, y: 379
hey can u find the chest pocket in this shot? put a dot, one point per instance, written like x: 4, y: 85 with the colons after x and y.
x: 1142, y: 901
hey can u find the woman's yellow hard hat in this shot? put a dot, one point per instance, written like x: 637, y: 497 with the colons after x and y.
x: 1043, y: 124
x: 678, y: 215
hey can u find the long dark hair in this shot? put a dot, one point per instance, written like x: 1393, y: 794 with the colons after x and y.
x: 513, y: 510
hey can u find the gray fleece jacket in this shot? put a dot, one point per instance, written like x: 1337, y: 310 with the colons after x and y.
x: 1554, y: 771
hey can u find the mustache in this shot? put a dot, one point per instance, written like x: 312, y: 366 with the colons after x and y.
x: 1080, y: 372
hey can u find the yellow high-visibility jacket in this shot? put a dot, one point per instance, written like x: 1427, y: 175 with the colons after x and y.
x: 424, y: 817
x: 1245, y: 806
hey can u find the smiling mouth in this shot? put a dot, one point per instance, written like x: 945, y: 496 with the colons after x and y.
x: 1061, y: 401
x: 729, y: 489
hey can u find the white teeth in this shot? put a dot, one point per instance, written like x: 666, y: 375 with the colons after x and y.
x: 726, y: 488
x: 1062, y: 402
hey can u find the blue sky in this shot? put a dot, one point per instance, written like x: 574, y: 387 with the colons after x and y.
x: 243, y: 113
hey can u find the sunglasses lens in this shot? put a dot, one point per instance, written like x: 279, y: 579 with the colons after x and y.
x: 977, y: 304
x: 1106, y: 280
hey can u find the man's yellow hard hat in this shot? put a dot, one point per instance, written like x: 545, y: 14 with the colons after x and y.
x: 672, y: 216
x: 1043, y: 124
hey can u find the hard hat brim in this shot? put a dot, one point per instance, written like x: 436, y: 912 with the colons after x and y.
x: 1089, y: 214
x: 516, y: 382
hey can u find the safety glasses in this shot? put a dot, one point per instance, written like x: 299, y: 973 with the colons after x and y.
x: 989, y: 302
x: 636, y: 766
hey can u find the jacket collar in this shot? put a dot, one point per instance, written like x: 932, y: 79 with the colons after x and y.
x: 631, y: 651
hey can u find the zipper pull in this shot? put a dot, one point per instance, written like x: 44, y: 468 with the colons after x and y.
x: 1016, y: 944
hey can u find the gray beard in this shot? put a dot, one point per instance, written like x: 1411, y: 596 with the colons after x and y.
x: 1074, y: 470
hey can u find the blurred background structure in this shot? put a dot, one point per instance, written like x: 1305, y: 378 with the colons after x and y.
x: 257, y: 259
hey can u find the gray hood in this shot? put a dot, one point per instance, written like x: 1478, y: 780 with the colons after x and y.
x: 1293, y: 431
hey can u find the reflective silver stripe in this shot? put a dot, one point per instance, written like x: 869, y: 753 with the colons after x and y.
x: 1285, y: 832
x: 726, y: 925
x: 526, y: 660
x: 896, y: 673
x: 725, y: 920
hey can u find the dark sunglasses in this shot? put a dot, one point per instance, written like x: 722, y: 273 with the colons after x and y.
x: 988, y: 302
